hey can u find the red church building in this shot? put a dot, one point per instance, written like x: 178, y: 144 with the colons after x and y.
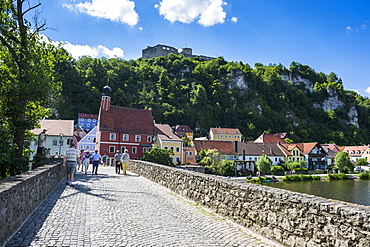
x: 121, y: 128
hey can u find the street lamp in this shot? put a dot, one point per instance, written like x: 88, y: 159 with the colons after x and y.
x: 60, y: 142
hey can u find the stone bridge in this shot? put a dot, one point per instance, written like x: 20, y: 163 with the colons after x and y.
x: 156, y: 205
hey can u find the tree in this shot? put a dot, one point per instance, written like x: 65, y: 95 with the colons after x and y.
x: 342, y: 162
x: 362, y: 162
x: 211, y: 159
x: 159, y: 156
x: 27, y: 87
x: 264, y: 163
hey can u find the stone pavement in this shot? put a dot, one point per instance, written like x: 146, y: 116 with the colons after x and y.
x: 117, y: 210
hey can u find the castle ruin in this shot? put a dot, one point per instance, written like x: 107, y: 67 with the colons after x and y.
x: 164, y: 50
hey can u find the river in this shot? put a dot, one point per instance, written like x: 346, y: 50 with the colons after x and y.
x: 354, y: 191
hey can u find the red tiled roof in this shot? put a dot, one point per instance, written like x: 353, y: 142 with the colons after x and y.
x: 183, y: 128
x: 223, y: 147
x: 227, y: 131
x: 164, y: 132
x: 126, y: 120
x: 264, y: 138
x: 306, y: 148
x: 55, y: 126
x: 91, y: 116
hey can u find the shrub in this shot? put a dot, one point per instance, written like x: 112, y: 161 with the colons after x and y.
x: 338, y: 176
x: 300, y: 178
x: 365, y: 175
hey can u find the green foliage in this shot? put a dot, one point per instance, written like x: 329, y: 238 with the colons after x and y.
x: 263, y: 164
x: 300, y: 178
x: 211, y: 159
x: 342, y: 162
x: 364, y: 175
x: 362, y: 162
x: 159, y: 156
x: 296, y: 165
x: 337, y: 176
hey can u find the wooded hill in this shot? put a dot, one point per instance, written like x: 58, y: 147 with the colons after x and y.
x: 311, y: 106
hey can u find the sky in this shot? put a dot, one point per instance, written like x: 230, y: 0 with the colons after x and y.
x: 327, y: 35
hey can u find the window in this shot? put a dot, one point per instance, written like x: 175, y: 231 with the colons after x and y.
x: 149, y: 139
x: 89, y: 120
x: 177, y: 149
x: 88, y: 125
x: 94, y: 120
x: 171, y: 149
x: 171, y: 159
x: 166, y: 147
x: 177, y: 159
x: 82, y: 124
x: 186, y: 153
x: 61, y: 143
x: 190, y: 153
x: 112, y: 149
x: 134, y: 150
x: 82, y: 147
x: 82, y: 119
x: 123, y: 149
x: 144, y: 149
x: 87, y: 147
x: 137, y: 138
x: 55, y: 143
x: 89, y: 139
x: 112, y: 136
x: 125, y: 137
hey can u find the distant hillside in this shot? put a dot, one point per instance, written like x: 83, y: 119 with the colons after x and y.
x: 309, y: 105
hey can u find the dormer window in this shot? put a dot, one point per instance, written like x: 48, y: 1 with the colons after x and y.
x: 137, y: 138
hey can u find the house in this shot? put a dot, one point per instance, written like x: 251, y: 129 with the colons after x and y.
x: 183, y: 131
x: 296, y: 153
x: 265, y: 138
x: 355, y: 152
x: 190, y: 154
x: 331, y: 150
x: 87, y: 143
x: 166, y: 139
x: 314, y: 155
x: 87, y: 121
x: 59, y: 135
x: 225, y: 148
x: 121, y: 128
x: 366, y: 154
x: 250, y: 153
x: 225, y: 134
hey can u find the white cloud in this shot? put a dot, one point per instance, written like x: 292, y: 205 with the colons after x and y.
x: 234, y: 19
x: 114, y: 10
x: 367, y: 90
x: 207, y: 12
x: 96, y: 52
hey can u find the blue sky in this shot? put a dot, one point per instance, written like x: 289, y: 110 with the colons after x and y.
x: 329, y: 36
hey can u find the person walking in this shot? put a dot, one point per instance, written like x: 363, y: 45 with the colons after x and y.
x: 124, y: 161
x: 86, y: 161
x: 117, y: 161
x: 105, y: 158
x: 81, y: 158
x: 96, y: 159
x: 70, y: 162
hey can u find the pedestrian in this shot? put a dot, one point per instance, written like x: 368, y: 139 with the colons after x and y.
x: 124, y: 161
x: 70, y: 162
x: 117, y: 161
x: 81, y: 158
x: 96, y: 159
x: 105, y: 158
x: 86, y: 161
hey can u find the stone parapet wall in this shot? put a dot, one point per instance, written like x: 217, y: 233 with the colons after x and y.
x: 290, y: 218
x: 22, y: 194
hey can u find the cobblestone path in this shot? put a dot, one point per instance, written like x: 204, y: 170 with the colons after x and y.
x: 117, y: 210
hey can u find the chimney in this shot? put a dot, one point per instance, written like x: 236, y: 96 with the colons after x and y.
x: 105, y: 103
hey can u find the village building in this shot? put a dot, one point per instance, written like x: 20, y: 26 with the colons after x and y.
x: 87, y: 121
x: 225, y: 134
x: 87, y: 143
x: 59, y: 135
x: 225, y: 148
x: 121, y: 128
x: 166, y: 139
x: 355, y: 152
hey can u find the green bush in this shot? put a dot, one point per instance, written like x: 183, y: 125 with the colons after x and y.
x: 338, y: 176
x: 365, y: 175
x: 300, y: 178
x: 277, y: 168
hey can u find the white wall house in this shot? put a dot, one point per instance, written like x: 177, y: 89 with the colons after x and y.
x: 87, y: 143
